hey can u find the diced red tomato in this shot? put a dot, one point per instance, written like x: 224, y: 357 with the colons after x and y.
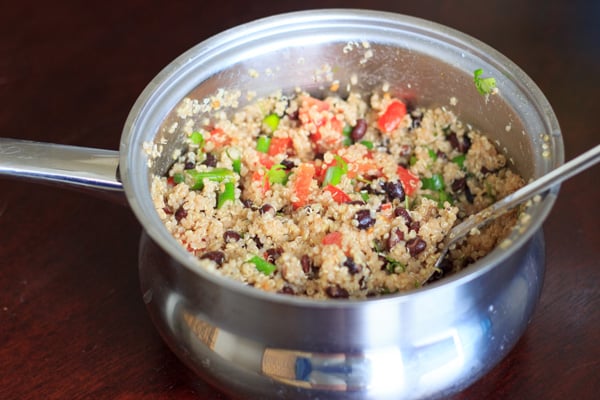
x: 279, y: 145
x: 264, y: 182
x: 410, y: 181
x: 304, y: 176
x: 265, y: 160
x: 337, y: 194
x: 332, y: 238
x: 218, y: 137
x: 392, y: 117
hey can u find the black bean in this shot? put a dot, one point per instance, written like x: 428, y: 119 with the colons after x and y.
x: 273, y: 254
x: 466, y: 144
x: 394, y: 190
x: 359, y: 130
x: 444, y: 268
x: 267, y: 208
x: 288, y: 164
x: 364, y: 219
x: 453, y: 139
x: 231, y: 236
x: 414, y: 226
x: 396, y: 236
x: 405, y: 151
x: 353, y: 268
x: 337, y: 292
x: 189, y: 165
x: 287, y: 290
x: 293, y: 115
x: 257, y: 241
x: 248, y: 203
x: 403, y: 212
x: 217, y: 256
x: 210, y: 160
x: 469, y: 195
x: 356, y: 203
x: 168, y: 210
x: 416, y: 121
x: 459, y: 185
x: 306, y: 263
x: 415, y: 246
x: 180, y: 214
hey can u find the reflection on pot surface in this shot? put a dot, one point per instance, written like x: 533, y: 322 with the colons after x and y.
x: 425, y: 362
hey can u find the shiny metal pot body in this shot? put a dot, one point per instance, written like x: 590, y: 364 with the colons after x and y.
x: 427, y: 343
x: 431, y: 342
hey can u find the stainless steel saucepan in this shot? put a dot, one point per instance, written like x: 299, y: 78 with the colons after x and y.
x: 427, y: 343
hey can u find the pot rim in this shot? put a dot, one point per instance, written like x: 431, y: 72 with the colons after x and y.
x: 132, y: 158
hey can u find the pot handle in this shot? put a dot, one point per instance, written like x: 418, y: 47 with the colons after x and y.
x: 85, y: 169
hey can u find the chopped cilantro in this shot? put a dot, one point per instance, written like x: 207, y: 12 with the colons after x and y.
x: 277, y: 174
x: 483, y: 85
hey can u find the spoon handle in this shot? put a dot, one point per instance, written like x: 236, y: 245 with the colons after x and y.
x: 552, y: 178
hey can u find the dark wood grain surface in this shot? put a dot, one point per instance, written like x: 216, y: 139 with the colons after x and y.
x: 72, y: 319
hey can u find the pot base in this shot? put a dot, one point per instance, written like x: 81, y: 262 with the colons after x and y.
x: 444, y: 362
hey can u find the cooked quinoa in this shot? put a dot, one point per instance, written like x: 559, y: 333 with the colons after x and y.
x: 333, y: 198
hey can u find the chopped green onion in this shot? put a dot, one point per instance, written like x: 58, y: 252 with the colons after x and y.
x: 459, y: 160
x: 432, y: 154
x: 178, y: 178
x: 436, y: 182
x: 277, y: 174
x: 262, y: 265
x: 392, y: 266
x: 367, y: 143
x: 333, y: 175
x: 443, y: 197
x: 263, y: 143
x: 342, y: 163
x: 271, y: 121
x: 236, y: 165
x: 236, y: 161
x: 483, y: 85
x: 228, y: 194
x: 197, y: 138
x: 215, y: 175
x: 365, y: 195
x: 347, y: 133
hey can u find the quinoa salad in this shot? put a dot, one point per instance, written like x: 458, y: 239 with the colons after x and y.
x: 333, y: 197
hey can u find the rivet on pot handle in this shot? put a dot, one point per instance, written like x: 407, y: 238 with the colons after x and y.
x: 95, y: 171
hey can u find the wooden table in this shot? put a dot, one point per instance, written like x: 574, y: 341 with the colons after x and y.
x: 72, y: 319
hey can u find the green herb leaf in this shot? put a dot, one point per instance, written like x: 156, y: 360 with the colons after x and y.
x: 277, y: 174
x: 483, y: 85
x: 262, y: 265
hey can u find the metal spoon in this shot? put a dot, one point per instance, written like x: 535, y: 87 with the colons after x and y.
x: 525, y: 193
